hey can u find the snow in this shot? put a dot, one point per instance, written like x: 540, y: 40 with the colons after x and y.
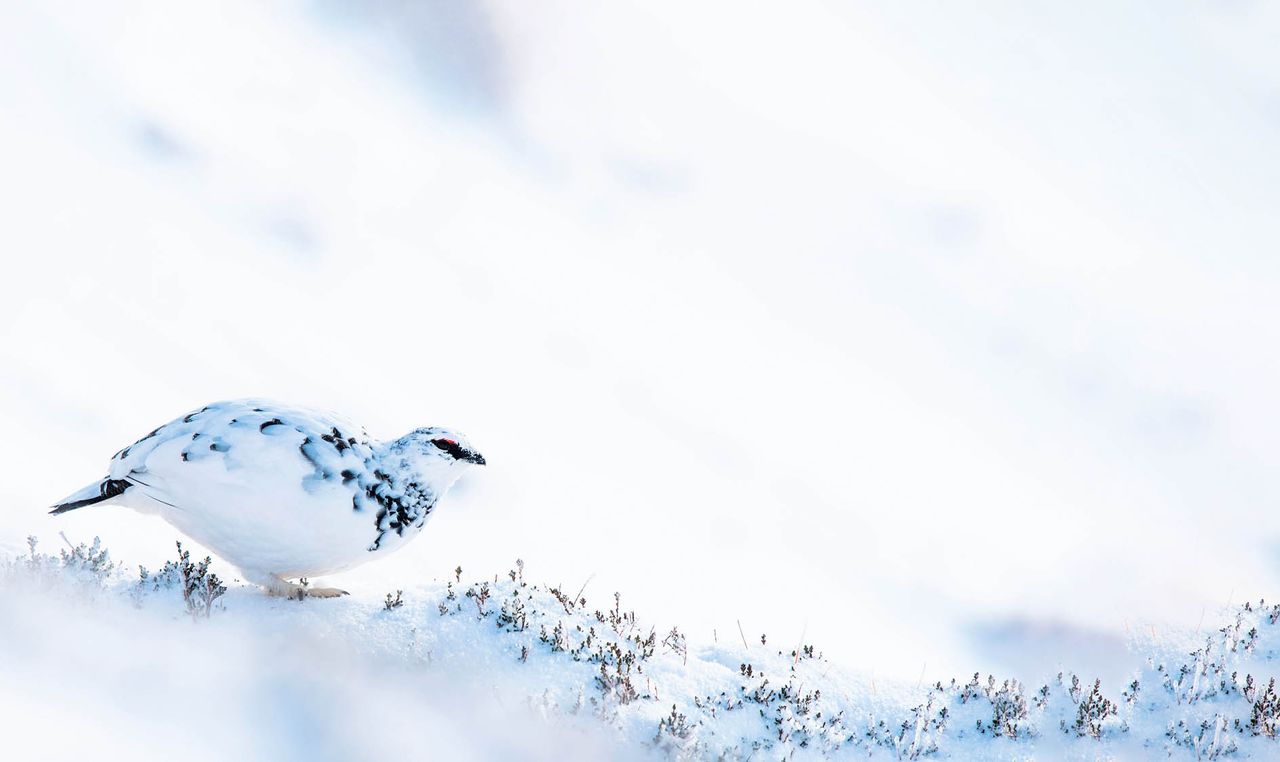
x: 939, y: 339
x: 504, y: 667
x: 260, y: 678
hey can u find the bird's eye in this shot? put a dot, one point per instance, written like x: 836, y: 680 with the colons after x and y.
x: 458, y: 452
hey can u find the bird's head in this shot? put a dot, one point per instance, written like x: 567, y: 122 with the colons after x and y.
x: 438, y: 454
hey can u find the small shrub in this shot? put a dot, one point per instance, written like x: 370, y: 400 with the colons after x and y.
x: 200, y: 587
x: 1264, y: 718
x: 676, y: 736
x: 1091, y: 711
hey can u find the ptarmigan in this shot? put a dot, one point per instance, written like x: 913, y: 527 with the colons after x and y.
x: 283, y: 492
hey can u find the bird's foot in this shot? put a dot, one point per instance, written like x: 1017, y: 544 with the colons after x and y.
x: 324, y: 592
x: 285, y: 589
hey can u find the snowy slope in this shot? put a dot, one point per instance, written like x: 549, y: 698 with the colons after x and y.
x: 505, y: 668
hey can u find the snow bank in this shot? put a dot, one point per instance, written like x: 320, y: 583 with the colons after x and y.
x: 500, y: 667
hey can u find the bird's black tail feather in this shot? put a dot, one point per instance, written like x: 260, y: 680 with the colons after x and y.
x: 94, y: 493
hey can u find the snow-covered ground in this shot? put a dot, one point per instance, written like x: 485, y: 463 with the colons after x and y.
x: 503, y: 667
x: 943, y: 340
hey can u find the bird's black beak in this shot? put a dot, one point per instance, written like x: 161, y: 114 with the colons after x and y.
x: 474, y: 457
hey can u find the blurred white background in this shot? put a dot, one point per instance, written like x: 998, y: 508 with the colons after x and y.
x: 932, y: 328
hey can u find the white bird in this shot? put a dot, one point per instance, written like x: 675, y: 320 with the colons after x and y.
x: 283, y: 492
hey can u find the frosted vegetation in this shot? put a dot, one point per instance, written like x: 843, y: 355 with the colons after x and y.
x: 546, y: 659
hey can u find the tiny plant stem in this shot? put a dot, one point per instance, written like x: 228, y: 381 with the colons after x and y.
x: 582, y: 589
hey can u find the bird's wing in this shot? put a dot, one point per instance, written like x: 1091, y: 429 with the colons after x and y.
x: 254, y: 437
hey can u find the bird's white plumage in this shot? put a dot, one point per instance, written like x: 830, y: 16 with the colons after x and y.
x: 283, y: 491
